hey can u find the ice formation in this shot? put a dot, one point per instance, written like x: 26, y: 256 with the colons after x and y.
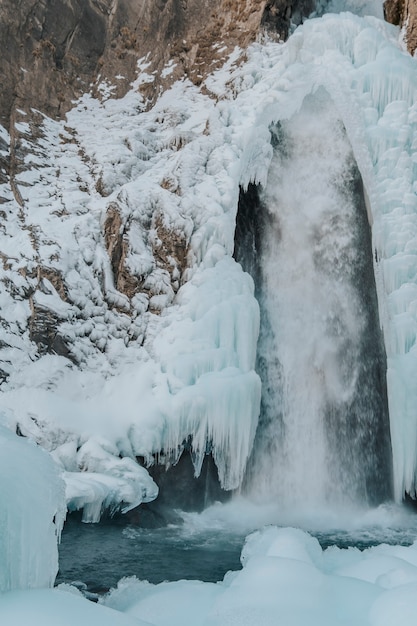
x: 185, y: 373
x: 32, y: 513
x: 147, y: 382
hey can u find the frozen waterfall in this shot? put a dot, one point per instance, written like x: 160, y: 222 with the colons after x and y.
x: 146, y: 383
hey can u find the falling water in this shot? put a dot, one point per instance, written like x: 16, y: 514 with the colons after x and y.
x: 323, y: 436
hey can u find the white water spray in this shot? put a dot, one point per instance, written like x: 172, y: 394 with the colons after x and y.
x: 316, y: 411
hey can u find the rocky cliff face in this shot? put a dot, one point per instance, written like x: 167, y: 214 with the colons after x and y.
x: 54, y: 51
x: 403, y: 13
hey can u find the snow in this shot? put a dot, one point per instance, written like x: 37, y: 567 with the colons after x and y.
x: 166, y: 604
x: 32, y: 512
x: 49, y: 607
x: 118, y: 483
x: 286, y: 577
x: 195, y: 381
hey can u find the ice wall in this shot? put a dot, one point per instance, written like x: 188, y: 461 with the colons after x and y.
x: 32, y: 511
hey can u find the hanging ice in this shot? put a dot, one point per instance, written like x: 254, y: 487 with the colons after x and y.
x: 32, y: 511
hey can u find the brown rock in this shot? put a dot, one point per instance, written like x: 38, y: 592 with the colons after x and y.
x: 171, y: 252
x: 394, y: 11
x: 54, y: 51
x: 403, y: 13
x: 117, y: 245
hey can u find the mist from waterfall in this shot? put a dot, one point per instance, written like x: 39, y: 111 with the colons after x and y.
x: 323, y: 437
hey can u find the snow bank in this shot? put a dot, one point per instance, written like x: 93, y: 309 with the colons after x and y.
x: 49, y: 607
x: 286, y: 578
x: 32, y: 511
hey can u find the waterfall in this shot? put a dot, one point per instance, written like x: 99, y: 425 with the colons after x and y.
x: 323, y: 436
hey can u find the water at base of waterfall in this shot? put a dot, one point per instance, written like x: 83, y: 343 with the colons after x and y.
x: 205, y: 546
x: 99, y: 555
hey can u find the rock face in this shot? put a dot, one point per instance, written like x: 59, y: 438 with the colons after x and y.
x: 403, y: 13
x: 54, y: 51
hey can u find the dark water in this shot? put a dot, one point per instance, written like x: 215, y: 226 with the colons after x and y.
x: 99, y: 555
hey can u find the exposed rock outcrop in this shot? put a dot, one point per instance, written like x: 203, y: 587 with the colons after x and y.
x: 403, y: 13
x: 54, y: 51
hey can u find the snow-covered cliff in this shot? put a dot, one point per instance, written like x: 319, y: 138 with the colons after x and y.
x: 127, y: 329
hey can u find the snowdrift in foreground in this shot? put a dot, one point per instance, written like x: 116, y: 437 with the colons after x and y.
x: 32, y: 513
x: 286, y: 579
x: 50, y: 607
x: 177, y: 359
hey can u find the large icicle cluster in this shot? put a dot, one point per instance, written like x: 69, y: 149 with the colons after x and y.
x: 174, y: 359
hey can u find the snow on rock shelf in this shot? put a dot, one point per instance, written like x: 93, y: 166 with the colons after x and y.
x: 126, y: 327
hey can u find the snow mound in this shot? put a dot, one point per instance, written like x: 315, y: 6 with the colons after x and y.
x: 49, y: 607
